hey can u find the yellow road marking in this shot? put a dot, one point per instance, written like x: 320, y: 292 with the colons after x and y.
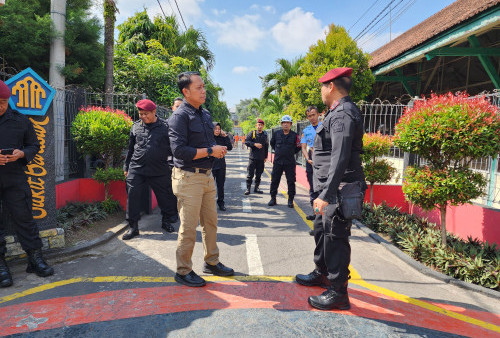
x: 355, y: 279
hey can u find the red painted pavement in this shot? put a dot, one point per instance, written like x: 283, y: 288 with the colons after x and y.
x: 133, y: 303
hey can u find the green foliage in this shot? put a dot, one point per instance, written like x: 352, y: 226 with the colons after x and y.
x: 30, y: 18
x: 274, y: 82
x: 429, y: 187
x: 108, y: 175
x: 148, y: 73
x: 448, y: 129
x: 110, y: 206
x: 379, y: 171
x: 337, y: 50
x: 77, y: 215
x: 101, y: 132
x: 471, y: 261
x: 138, y: 30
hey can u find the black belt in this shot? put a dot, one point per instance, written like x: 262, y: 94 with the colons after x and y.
x: 197, y: 170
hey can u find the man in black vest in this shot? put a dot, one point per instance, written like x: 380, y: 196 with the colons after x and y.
x: 286, y: 144
x: 336, y: 158
x: 147, y: 164
x: 258, y: 143
x: 19, y: 145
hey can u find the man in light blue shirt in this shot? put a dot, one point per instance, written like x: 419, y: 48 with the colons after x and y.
x: 307, y: 141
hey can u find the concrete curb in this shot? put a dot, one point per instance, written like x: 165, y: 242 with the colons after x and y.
x: 87, y: 245
x: 423, y: 268
x: 84, y: 246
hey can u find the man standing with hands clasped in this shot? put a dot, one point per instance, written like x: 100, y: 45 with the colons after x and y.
x: 194, y: 148
x: 336, y: 159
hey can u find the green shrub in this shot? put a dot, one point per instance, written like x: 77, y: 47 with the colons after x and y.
x: 102, y: 132
x: 77, y: 215
x: 376, y: 170
x: 110, y: 206
x: 105, y: 176
x: 449, y: 132
x: 471, y: 260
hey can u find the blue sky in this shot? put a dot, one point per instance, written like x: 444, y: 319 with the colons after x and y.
x: 248, y: 36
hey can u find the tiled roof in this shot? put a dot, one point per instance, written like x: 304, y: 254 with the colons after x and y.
x: 454, y: 14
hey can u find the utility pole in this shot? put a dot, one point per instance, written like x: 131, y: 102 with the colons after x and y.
x: 57, y: 80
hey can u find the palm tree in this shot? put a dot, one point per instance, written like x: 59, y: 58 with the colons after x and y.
x: 190, y: 44
x: 274, y: 82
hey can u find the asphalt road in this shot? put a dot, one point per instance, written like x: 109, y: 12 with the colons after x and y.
x: 126, y: 288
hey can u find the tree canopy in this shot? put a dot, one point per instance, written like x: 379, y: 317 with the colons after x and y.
x: 31, y: 18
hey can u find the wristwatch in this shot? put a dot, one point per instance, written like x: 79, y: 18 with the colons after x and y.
x: 210, y: 151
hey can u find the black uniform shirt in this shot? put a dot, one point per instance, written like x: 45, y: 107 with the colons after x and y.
x: 285, y: 147
x: 337, y: 148
x: 17, y: 132
x: 222, y: 141
x: 256, y: 153
x: 190, y: 129
x: 148, y: 149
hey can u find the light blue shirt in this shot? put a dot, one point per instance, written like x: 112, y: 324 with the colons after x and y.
x: 308, y: 135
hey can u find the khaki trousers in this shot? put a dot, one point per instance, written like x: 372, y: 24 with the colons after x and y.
x: 196, y: 196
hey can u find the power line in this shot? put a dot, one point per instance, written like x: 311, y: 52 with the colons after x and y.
x: 161, y: 9
x: 181, y: 14
x: 361, y: 17
x: 368, y: 26
x: 376, y: 23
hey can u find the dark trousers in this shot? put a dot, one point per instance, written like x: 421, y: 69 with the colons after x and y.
x: 289, y: 170
x: 255, y: 167
x: 162, y: 187
x: 332, y: 254
x: 220, y: 179
x: 15, y: 195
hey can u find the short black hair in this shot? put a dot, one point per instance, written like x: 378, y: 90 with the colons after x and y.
x: 184, y: 79
x: 310, y: 108
x: 178, y: 98
x: 343, y: 83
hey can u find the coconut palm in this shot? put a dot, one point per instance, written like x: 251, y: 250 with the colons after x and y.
x: 273, y: 82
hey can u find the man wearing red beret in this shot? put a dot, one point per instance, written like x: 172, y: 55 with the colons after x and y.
x: 147, y: 164
x: 19, y: 145
x: 336, y: 160
x: 257, y: 141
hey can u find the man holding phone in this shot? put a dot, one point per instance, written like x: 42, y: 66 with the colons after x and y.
x: 18, y: 146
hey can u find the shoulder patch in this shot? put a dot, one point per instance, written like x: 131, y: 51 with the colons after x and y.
x: 337, y: 126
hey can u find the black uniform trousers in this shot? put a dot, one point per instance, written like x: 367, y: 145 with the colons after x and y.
x: 289, y: 170
x: 15, y: 195
x: 255, y: 167
x: 309, y: 172
x: 162, y: 187
x: 332, y: 254
x: 220, y: 179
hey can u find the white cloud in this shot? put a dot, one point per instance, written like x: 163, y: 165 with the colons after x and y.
x: 298, y: 30
x: 244, y: 69
x: 371, y: 42
x: 218, y: 12
x: 269, y: 9
x: 241, y: 32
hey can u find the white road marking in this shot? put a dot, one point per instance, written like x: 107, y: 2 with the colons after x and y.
x: 255, y: 267
x: 247, y: 206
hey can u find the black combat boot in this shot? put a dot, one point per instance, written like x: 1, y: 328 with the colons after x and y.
x: 165, y: 224
x: 222, y: 206
x: 247, y: 192
x: 132, y: 232
x: 257, y: 190
x: 37, y: 264
x: 5, y: 277
x: 272, y: 201
x: 315, y: 278
x: 335, y: 297
x: 290, y: 202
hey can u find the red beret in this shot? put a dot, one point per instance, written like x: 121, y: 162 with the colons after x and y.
x: 260, y: 121
x: 4, y: 90
x: 335, y: 73
x: 146, y: 105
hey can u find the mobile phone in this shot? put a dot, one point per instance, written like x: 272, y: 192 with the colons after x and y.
x: 7, y: 151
